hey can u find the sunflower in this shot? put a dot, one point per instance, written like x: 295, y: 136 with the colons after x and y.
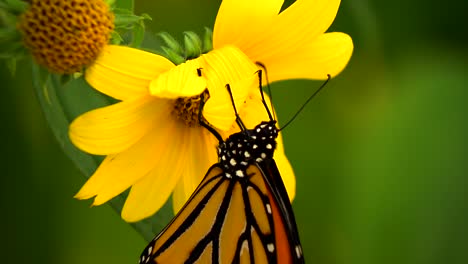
x: 66, y: 35
x: 152, y: 140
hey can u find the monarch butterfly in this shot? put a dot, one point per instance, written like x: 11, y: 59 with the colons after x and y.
x: 240, y: 212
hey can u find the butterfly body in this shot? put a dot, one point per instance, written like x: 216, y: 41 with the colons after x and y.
x: 243, y: 148
x: 240, y: 213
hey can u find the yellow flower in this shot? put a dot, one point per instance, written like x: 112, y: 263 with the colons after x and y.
x: 152, y: 139
x: 66, y: 35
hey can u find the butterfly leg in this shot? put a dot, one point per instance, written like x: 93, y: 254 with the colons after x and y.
x: 238, y: 120
x: 201, y: 120
x: 260, y: 75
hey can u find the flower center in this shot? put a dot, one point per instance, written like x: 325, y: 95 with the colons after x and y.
x: 187, y: 109
x: 66, y: 35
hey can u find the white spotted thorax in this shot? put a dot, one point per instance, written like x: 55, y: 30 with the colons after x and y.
x: 240, y: 149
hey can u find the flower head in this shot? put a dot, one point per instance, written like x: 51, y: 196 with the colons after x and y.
x: 66, y: 35
x: 151, y: 139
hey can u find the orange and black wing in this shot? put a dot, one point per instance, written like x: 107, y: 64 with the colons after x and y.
x: 226, y: 220
x: 287, y: 237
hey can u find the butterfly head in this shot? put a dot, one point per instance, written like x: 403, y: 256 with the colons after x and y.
x: 245, y: 147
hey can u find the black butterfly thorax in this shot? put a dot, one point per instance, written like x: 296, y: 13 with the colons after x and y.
x: 243, y: 148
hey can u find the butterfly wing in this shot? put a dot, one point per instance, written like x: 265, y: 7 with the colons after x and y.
x: 287, y: 236
x: 226, y: 220
x: 175, y: 243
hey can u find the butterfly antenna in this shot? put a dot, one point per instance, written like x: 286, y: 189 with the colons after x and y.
x: 201, y: 120
x: 306, y: 102
x: 238, y: 120
x: 268, y: 89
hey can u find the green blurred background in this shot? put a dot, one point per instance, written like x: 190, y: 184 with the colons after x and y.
x: 380, y: 156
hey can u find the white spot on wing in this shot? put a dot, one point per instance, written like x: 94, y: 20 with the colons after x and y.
x: 258, y: 130
x: 239, y: 173
x: 268, y: 208
x: 263, y: 155
x: 255, y: 146
x: 228, y: 175
x: 247, y: 154
x: 245, y: 246
x: 233, y: 162
x: 271, y: 247
x: 259, y: 160
x: 298, y: 251
x: 269, y: 146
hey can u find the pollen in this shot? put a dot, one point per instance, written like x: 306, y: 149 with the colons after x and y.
x: 66, y: 35
x: 187, y: 109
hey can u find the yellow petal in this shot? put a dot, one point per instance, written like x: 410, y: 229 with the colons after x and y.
x: 299, y: 24
x: 123, y: 72
x: 202, y: 154
x: 114, y: 128
x: 181, y: 81
x: 118, y: 172
x: 327, y: 54
x: 285, y: 168
x: 150, y: 193
x: 254, y: 111
x: 218, y: 110
x: 227, y: 65
x: 240, y: 21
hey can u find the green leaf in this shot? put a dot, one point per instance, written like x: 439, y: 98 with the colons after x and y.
x: 207, y: 40
x: 7, y: 19
x: 47, y: 87
x: 193, y: 45
x: 15, y: 6
x: 62, y: 99
x: 138, y: 34
x: 116, y: 38
x: 171, y: 42
x: 126, y: 20
x: 173, y: 56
